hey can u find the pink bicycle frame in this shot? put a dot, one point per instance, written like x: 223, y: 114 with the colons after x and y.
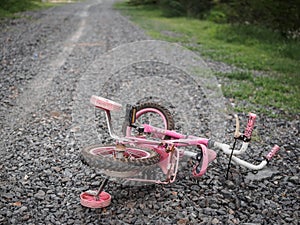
x: 180, y: 140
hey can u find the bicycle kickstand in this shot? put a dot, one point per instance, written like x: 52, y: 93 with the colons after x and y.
x: 97, y: 193
x: 104, y: 182
x: 230, y: 158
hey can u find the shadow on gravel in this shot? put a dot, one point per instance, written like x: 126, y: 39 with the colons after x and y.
x: 157, y: 70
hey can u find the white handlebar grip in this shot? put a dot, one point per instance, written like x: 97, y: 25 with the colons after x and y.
x: 274, y: 150
x: 250, y: 125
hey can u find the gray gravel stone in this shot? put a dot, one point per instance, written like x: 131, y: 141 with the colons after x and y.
x: 49, y: 58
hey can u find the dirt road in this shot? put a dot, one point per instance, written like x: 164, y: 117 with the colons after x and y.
x: 49, y: 60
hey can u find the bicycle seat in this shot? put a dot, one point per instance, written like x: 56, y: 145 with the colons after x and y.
x: 105, y: 104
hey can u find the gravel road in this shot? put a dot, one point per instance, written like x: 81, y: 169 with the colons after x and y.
x: 52, y: 60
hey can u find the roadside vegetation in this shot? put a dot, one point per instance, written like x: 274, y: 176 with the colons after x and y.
x: 268, y: 58
x: 9, y: 8
x: 269, y: 61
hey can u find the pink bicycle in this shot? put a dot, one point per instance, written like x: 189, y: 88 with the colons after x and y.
x: 149, y: 141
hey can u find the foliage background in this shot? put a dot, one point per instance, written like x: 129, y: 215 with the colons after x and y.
x: 279, y: 15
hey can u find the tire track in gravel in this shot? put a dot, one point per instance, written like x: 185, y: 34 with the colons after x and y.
x: 37, y: 89
x: 35, y: 93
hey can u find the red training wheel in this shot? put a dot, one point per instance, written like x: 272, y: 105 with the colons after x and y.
x: 88, y: 199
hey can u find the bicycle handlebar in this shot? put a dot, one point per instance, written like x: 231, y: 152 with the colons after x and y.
x: 250, y: 125
x: 226, y: 149
x: 274, y: 150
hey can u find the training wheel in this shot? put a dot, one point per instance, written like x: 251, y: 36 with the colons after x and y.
x: 89, y: 200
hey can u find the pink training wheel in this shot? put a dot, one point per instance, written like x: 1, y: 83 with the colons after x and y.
x: 104, y: 103
x: 89, y: 200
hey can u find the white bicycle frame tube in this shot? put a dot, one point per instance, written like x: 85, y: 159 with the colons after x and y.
x: 110, y: 128
x: 226, y: 149
x: 249, y: 165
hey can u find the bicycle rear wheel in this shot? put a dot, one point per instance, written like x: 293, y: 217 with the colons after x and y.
x: 119, y: 160
x: 155, y: 115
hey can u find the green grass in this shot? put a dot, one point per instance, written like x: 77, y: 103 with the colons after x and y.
x: 263, y: 92
x: 9, y: 8
x: 247, y: 47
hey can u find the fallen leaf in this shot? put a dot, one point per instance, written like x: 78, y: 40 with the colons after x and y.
x: 174, y: 193
x: 17, y: 204
x: 55, y: 114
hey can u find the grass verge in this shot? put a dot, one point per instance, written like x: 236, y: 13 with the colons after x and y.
x: 250, y: 48
x: 9, y: 8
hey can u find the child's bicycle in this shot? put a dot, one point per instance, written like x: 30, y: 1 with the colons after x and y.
x: 150, y: 141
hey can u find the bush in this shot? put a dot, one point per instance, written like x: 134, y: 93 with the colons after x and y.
x: 283, y: 16
x: 143, y: 2
x: 279, y: 15
x: 172, y: 8
x: 217, y: 16
x: 189, y: 8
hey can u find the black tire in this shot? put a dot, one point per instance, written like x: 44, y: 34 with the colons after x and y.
x: 164, y: 114
x: 102, y: 157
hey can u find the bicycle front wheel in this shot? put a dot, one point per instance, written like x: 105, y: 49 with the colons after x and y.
x: 119, y: 158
